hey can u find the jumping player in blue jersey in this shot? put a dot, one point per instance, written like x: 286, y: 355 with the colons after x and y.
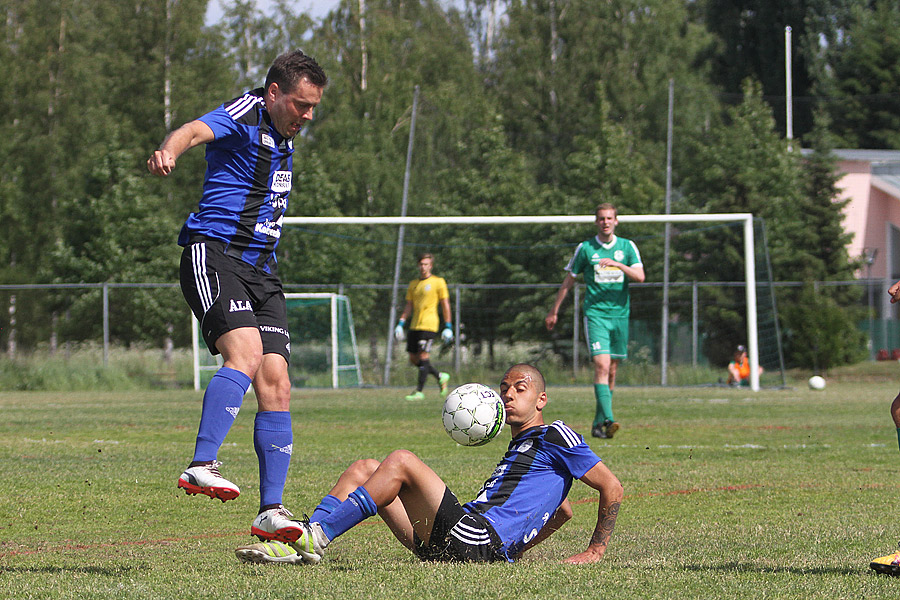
x: 521, y: 504
x: 229, y: 275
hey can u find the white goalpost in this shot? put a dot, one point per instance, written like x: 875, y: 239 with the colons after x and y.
x: 745, y: 218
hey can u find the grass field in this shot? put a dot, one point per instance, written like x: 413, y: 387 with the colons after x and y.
x: 729, y: 494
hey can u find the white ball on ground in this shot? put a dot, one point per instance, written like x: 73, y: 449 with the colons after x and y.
x: 816, y: 382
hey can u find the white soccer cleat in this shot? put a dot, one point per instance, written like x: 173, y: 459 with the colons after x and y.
x: 268, y: 552
x: 206, y: 480
x: 276, y: 524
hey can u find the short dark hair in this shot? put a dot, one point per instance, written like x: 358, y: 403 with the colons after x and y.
x: 530, y: 370
x: 425, y: 255
x: 288, y: 69
x: 606, y: 206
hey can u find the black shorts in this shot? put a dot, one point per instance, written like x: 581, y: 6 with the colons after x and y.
x: 420, y: 341
x: 226, y: 293
x: 458, y: 535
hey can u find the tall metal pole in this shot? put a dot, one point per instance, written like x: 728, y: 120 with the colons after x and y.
x: 400, y: 236
x: 789, y: 108
x: 664, y: 357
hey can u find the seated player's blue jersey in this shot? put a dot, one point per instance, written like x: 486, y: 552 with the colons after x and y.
x: 248, y: 179
x: 531, y: 482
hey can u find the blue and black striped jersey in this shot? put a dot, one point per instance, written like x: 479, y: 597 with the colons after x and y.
x: 247, y: 183
x: 531, y: 482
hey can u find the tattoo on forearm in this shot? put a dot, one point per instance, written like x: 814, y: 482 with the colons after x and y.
x: 605, y: 527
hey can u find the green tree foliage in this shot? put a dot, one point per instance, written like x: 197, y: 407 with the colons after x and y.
x: 119, y: 232
x: 865, y: 108
x: 525, y: 107
x: 751, y: 43
x: 743, y: 166
x: 552, y: 54
x: 818, y: 332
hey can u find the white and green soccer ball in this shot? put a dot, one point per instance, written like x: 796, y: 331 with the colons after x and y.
x: 816, y: 382
x: 473, y: 414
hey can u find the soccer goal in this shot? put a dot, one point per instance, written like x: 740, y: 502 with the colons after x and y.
x: 742, y: 220
x: 323, y: 343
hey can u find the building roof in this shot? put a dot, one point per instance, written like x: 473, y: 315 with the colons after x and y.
x: 875, y: 157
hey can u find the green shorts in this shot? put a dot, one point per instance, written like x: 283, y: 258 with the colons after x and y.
x: 607, y: 335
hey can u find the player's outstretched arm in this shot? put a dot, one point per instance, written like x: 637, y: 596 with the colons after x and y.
x: 191, y: 134
x: 611, y: 493
x: 553, y: 315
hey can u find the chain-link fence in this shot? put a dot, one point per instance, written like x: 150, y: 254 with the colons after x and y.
x: 496, y: 324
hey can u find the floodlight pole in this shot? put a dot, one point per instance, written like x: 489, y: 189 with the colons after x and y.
x: 789, y: 99
x: 400, y: 235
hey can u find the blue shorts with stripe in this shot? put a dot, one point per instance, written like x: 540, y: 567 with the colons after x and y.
x: 226, y: 293
x: 458, y: 535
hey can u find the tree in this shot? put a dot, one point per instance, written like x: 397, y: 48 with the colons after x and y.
x: 551, y: 55
x: 866, y: 74
x: 744, y: 166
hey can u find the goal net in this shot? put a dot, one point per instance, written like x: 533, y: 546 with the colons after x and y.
x: 503, y: 272
x: 323, y: 343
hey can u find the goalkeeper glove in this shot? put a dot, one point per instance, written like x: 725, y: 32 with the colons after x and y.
x: 447, y: 333
x: 399, y: 334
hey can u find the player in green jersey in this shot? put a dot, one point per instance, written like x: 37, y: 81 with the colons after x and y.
x: 608, y: 264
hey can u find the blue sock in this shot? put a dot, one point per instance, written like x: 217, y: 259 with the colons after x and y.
x: 358, y: 507
x: 221, y: 403
x: 325, y: 507
x: 274, y: 442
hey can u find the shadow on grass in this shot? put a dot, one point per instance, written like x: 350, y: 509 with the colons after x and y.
x: 52, y: 570
x: 748, y: 568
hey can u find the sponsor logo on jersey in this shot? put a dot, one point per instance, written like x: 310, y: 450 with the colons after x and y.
x: 266, y: 140
x: 281, y: 181
x: 595, y: 258
x: 269, y: 228
x: 278, y: 202
x: 239, y: 305
x: 274, y: 329
x: 525, y: 446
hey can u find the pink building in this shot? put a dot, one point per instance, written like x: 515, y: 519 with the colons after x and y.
x: 871, y: 180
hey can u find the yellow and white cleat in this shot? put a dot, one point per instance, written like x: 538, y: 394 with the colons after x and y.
x: 888, y: 565
x: 268, y: 552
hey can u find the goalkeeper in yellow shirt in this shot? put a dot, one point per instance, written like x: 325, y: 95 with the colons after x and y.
x: 422, y: 299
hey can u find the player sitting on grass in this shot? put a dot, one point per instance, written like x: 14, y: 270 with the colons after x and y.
x: 521, y: 504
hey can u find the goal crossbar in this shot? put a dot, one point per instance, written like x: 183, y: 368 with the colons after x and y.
x: 745, y: 218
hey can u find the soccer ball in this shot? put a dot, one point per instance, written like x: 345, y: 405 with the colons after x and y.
x: 816, y: 383
x: 473, y: 414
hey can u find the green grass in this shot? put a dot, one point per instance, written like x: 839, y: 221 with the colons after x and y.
x: 729, y: 494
